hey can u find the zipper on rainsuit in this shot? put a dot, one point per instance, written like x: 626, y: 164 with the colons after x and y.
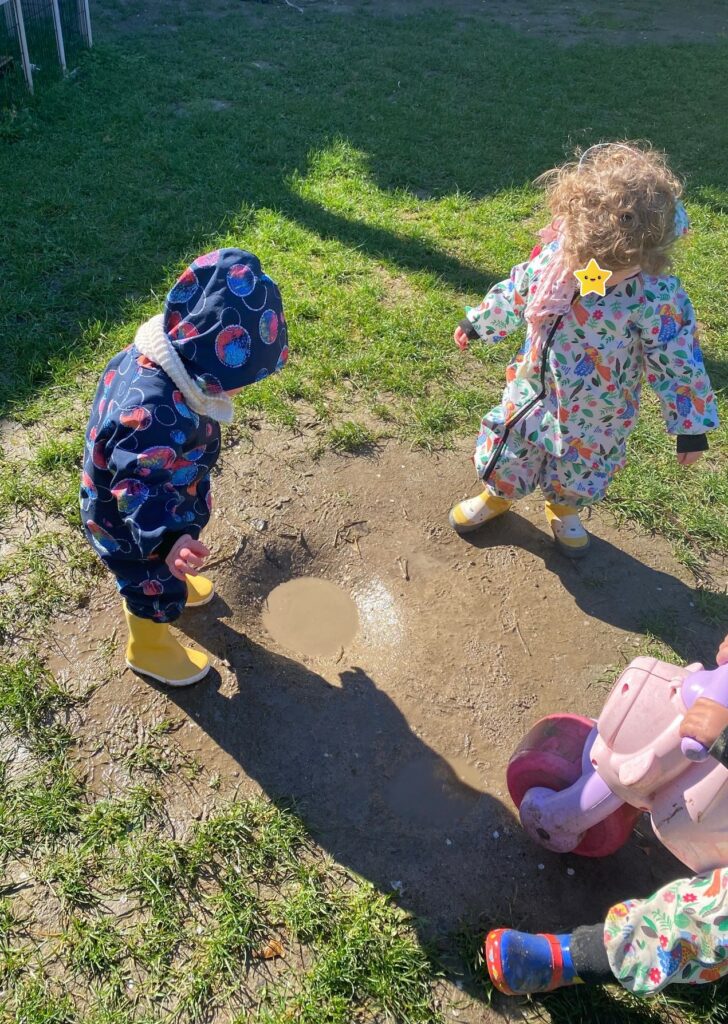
x: 493, y: 460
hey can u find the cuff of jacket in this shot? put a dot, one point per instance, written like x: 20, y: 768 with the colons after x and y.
x: 719, y: 750
x: 468, y: 330
x: 691, y: 443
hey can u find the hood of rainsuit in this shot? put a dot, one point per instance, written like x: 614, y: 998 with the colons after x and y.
x: 224, y: 317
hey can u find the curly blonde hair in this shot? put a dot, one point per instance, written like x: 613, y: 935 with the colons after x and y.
x: 617, y: 206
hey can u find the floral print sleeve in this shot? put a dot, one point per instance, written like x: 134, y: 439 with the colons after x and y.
x: 678, y: 935
x: 673, y: 361
x: 501, y: 311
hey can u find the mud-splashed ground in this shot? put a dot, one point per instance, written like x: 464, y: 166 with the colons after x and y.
x: 394, y: 747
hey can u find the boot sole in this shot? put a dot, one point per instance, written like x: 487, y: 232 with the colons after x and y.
x: 494, y: 963
x: 179, y: 683
x: 462, y: 528
x: 569, y: 552
x: 199, y: 604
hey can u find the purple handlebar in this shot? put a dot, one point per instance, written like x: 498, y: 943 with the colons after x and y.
x: 712, y: 684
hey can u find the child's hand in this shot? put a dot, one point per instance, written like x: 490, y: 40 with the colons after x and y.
x: 689, y: 458
x: 461, y: 338
x: 705, y: 721
x: 722, y: 656
x: 186, y: 557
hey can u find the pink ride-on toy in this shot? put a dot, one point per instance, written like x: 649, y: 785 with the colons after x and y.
x: 580, y: 785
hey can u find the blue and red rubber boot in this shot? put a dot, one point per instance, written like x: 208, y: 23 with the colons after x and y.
x: 520, y: 963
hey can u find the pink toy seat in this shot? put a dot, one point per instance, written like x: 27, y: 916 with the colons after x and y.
x: 638, y: 754
x: 638, y: 746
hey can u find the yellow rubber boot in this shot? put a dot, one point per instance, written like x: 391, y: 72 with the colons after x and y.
x: 570, y: 536
x: 475, y: 512
x: 153, y: 651
x: 200, y: 591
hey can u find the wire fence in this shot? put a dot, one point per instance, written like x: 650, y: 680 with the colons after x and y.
x: 40, y: 41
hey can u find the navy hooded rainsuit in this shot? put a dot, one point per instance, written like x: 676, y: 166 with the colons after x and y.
x: 146, y: 473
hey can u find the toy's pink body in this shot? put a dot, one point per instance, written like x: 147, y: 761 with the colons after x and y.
x: 634, y: 756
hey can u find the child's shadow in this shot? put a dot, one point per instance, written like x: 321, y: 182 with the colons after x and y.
x: 371, y: 792
x: 611, y: 585
x: 383, y: 803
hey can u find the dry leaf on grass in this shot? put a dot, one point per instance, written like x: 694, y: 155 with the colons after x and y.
x: 272, y: 949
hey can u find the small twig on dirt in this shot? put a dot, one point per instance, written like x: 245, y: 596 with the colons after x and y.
x: 402, y: 563
x: 59, y: 649
x: 340, y: 656
x: 336, y: 539
x: 404, y: 512
x: 520, y: 637
x: 354, y: 522
x: 216, y: 562
x: 304, y: 544
x: 358, y: 549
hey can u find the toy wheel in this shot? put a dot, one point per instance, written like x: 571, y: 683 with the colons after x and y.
x: 550, y: 756
x: 609, y: 835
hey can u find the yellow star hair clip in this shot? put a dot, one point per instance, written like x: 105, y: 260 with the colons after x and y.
x: 592, y: 279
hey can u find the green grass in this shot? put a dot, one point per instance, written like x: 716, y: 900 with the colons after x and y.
x: 382, y: 171
x: 350, y: 437
x: 134, y: 927
x: 381, y: 219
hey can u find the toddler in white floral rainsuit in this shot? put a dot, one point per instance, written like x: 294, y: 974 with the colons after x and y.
x: 573, y: 391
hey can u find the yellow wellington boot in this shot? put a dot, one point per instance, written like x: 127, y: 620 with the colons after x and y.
x: 200, y: 591
x: 475, y: 512
x: 570, y: 536
x: 153, y: 651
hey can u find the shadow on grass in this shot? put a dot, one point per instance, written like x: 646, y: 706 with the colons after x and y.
x: 155, y: 150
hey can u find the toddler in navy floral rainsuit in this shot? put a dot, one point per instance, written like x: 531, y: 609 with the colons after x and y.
x: 154, y: 436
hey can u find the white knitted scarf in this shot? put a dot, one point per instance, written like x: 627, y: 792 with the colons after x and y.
x: 152, y: 341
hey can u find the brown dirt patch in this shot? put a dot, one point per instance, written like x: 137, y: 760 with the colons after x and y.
x: 394, y: 749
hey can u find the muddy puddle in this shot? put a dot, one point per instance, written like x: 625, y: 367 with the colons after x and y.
x: 311, y: 617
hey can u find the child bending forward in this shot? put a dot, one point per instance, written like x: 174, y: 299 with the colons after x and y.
x: 154, y: 436
x: 573, y: 391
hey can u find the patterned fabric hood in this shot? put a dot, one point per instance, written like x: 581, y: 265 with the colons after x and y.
x: 224, y: 317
